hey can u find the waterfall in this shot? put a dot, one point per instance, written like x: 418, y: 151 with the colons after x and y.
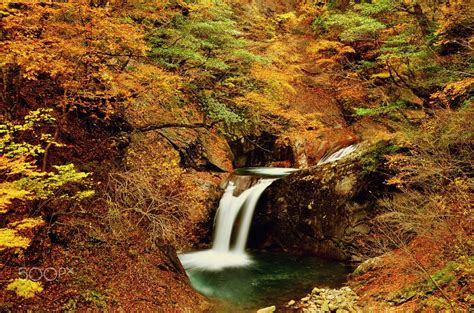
x: 248, y: 209
x: 228, y: 248
x: 223, y: 253
x: 339, y: 154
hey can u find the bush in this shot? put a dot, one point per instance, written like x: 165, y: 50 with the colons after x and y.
x: 158, y: 200
x: 435, y: 178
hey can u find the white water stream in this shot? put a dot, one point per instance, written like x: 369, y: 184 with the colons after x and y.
x: 228, y: 250
x: 222, y: 254
x: 339, y: 154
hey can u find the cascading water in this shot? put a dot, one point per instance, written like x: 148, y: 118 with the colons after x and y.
x: 223, y: 254
x: 339, y: 154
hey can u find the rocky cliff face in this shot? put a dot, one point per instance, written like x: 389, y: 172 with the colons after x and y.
x: 322, y: 210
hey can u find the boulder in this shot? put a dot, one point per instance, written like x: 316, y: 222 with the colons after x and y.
x: 308, y: 146
x: 323, y: 210
x: 200, y: 149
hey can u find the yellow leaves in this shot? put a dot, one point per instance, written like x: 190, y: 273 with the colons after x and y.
x: 326, y: 63
x: 319, y: 46
x: 459, y: 87
x: 9, y: 238
x: 27, y: 223
x: 79, y: 47
x: 147, y: 80
x: 25, y: 288
x: 454, y: 92
x: 325, y: 47
x: 383, y: 75
x: 279, y: 81
x: 463, y: 183
x: 346, y: 50
x: 10, y: 191
x: 17, y: 166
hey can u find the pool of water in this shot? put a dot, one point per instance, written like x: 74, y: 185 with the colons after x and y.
x: 272, y: 279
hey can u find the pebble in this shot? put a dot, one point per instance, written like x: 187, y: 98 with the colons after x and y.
x: 269, y: 309
x: 325, y: 306
x: 342, y: 300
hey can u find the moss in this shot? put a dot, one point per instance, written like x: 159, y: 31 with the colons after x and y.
x: 426, y: 287
x: 25, y: 288
x: 9, y: 238
x: 443, y: 276
x: 371, y: 161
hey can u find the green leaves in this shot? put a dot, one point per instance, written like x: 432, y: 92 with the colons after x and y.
x: 355, y: 27
x: 48, y: 185
x: 381, y: 6
x: 381, y: 110
x: 207, y: 48
x: 207, y: 39
x: 218, y: 111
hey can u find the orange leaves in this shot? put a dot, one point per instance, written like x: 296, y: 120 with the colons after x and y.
x: 454, y: 93
x: 327, y: 46
x: 78, y: 47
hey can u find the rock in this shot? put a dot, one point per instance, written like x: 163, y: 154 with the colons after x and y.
x: 329, y: 300
x: 269, y: 309
x: 338, y: 198
x: 307, y: 147
x: 367, y: 265
x: 201, y: 149
x: 315, y: 290
x: 325, y: 306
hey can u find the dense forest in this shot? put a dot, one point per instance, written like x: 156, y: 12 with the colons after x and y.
x: 122, y: 120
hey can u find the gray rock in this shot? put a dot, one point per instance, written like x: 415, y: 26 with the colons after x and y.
x: 341, y: 203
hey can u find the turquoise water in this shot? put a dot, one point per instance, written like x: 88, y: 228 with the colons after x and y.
x: 272, y: 279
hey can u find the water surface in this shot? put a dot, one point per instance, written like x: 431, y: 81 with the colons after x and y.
x: 271, y: 279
